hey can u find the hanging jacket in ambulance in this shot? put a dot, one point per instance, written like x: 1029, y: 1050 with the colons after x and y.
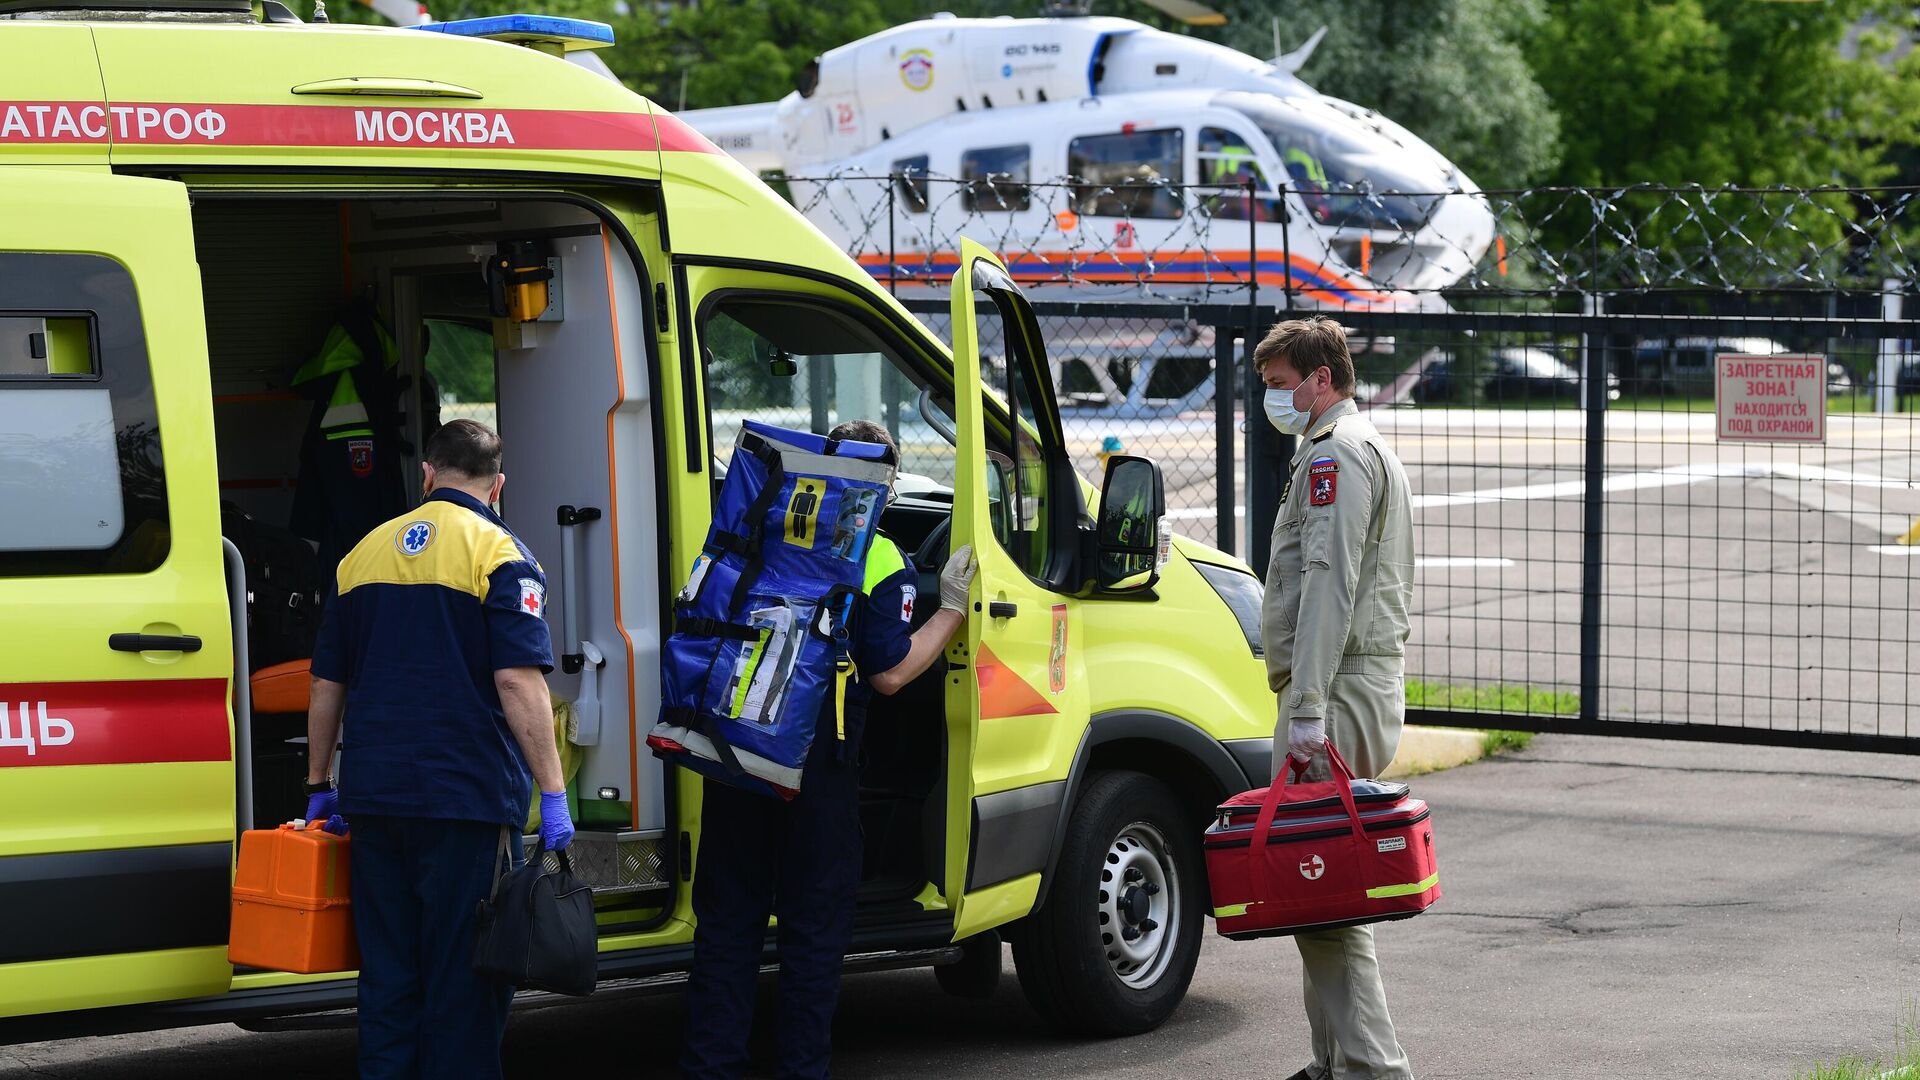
x: 351, y: 475
x: 762, y: 630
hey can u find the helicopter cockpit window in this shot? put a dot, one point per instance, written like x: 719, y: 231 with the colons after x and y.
x: 1127, y: 174
x: 809, y: 366
x: 1348, y: 176
x: 1226, y: 158
x: 996, y: 179
x: 910, y: 182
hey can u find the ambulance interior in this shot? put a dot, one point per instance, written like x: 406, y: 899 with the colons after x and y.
x: 569, y: 392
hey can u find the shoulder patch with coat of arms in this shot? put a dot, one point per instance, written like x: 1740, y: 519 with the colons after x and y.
x: 1323, y: 479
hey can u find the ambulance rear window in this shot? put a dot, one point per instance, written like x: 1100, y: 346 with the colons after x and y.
x: 80, y: 466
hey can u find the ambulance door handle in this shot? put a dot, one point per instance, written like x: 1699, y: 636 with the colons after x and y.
x: 1002, y: 609
x: 153, y: 643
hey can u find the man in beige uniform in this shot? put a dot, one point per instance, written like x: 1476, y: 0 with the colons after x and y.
x: 1339, y: 586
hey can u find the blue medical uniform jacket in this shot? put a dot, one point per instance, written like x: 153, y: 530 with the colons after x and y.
x: 429, y: 606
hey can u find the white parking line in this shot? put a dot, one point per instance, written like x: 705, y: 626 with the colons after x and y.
x: 1677, y: 476
x: 1463, y: 562
x: 1896, y: 550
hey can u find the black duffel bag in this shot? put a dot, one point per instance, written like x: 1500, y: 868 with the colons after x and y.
x: 537, y: 930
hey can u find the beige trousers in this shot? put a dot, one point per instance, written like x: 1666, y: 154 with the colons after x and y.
x: 1353, y: 1037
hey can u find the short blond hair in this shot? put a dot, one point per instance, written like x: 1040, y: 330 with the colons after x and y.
x: 1307, y: 344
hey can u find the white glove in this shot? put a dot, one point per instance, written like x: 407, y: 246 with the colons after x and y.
x: 955, y: 578
x: 1305, y: 737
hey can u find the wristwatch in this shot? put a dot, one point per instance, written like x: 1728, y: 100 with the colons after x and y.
x: 321, y: 787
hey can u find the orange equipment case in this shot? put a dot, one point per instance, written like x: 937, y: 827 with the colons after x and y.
x: 291, y: 910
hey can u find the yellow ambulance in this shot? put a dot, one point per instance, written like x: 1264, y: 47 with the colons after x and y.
x: 196, y: 195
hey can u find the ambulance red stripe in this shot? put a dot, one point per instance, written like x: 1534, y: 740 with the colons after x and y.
x: 114, y: 723
x: 156, y: 123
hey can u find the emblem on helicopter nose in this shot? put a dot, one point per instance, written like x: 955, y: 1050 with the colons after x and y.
x: 916, y: 69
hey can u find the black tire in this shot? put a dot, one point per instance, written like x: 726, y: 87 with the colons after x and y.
x: 1070, y: 954
x: 976, y: 975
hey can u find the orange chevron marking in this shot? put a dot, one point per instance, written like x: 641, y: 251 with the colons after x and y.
x: 1004, y: 693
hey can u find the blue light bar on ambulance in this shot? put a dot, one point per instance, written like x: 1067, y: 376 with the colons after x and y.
x: 543, y: 32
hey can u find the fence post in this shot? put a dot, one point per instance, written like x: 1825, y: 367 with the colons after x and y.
x: 893, y: 261
x: 1268, y: 455
x: 1226, y: 496
x: 1592, y: 530
x: 1886, y: 376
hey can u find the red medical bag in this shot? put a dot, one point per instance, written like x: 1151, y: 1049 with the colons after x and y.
x: 1296, y: 856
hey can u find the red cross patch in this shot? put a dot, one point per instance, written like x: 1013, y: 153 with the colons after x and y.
x: 533, y: 597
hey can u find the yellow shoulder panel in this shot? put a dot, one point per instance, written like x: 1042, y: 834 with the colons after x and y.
x: 438, y: 543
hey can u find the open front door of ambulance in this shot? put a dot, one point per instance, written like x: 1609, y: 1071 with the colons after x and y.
x: 1016, y: 695
x: 116, y: 746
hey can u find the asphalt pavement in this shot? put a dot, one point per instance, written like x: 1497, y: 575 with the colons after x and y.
x: 1613, y: 908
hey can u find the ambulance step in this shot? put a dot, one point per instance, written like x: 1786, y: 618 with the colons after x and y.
x: 613, y: 863
x: 642, y: 986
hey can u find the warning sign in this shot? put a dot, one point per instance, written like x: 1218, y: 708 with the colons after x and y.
x: 1771, y: 398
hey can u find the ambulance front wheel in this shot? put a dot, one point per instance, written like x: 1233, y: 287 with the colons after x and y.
x: 1112, y: 950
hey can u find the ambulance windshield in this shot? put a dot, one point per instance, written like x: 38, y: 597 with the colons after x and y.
x: 1348, y: 175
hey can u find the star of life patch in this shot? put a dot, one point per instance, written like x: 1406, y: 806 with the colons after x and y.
x: 533, y: 597
x: 908, y: 594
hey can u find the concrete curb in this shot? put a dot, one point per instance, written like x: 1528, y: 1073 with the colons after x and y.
x: 1428, y: 749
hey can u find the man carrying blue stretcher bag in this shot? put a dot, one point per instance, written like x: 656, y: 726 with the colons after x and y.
x: 796, y: 612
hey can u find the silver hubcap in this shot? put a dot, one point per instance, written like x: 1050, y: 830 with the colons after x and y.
x: 1138, y: 889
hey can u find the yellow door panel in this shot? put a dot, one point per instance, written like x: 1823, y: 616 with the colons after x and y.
x: 1017, y: 710
x: 116, y: 744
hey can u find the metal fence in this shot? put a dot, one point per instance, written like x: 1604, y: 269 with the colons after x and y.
x: 1593, y: 556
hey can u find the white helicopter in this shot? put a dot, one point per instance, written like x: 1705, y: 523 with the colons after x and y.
x: 1068, y: 142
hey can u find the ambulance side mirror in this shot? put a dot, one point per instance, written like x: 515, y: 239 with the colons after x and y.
x: 1127, y: 532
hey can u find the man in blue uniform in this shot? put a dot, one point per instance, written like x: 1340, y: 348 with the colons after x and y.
x: 800, y: 860
x: 434, y: 651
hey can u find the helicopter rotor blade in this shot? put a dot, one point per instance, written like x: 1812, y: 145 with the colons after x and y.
x: 1190, y: 12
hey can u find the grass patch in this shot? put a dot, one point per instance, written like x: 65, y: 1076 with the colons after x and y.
x: 1493, y: 698
x: 1903, y: 1065
x: 1495, y: 742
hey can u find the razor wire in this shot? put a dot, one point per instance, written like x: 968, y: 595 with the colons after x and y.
x: 1353, y: 245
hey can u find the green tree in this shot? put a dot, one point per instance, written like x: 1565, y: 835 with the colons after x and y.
x: 1451, y: 71
x: 1730, y: 92
x: 1727, y: 91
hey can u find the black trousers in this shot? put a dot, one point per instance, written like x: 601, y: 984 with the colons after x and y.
x: 798, y: 860
x: 417, y: 886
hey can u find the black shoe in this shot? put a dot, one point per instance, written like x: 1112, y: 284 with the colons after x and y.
x: 1301, y: 1075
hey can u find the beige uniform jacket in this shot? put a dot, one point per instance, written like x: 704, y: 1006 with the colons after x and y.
x: 1340, y: 580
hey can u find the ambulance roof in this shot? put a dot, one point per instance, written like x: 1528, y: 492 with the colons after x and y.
x: 182, y: 96
x: 185, y: 93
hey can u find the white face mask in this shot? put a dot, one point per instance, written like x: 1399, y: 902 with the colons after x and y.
x: 1281, y: 411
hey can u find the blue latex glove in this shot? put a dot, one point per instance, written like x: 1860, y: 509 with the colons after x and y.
x: 322, y: 806
x: 556, y: 825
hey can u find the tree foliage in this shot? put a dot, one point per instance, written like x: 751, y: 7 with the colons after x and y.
x: 1728, y: 91
x: 1453, y: 72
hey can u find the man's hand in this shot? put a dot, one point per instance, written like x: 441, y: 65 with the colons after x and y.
x: 556, y: 824
x: 1305, y: 737
x: 956, y: 577
x: 323, y: 805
